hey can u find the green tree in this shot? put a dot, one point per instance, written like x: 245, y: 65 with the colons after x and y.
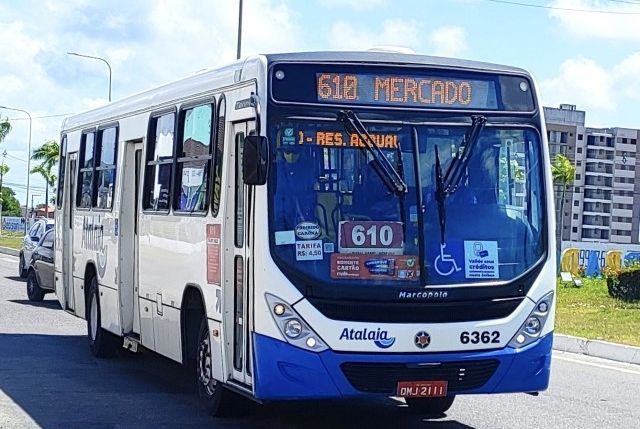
x: 563, y: 173
x: 48, y: 155
x: 5, y: 128
x: 10, y: 205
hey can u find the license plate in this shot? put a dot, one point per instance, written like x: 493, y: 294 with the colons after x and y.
x: 422, y: 389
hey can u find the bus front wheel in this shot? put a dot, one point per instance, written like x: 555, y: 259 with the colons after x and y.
x: 432, y: 407
x: 216, y: 399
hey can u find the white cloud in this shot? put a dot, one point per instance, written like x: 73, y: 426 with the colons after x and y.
x: 392, y: 32
x: 601, y: 90
x: 147, y: 43
x: 359, y: 5
x: 598, y: 25
x: 448, y: 41
x: 581, y: 81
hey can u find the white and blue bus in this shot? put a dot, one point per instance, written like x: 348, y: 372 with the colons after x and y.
x: 318, y: 225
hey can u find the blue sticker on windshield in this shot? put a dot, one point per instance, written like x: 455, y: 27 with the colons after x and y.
x: 447, y: 261
x: 481, y: 260
x: 288, y: 136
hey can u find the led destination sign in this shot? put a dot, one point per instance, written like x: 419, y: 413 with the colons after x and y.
x: 404, y: 90
x: 400, y: 87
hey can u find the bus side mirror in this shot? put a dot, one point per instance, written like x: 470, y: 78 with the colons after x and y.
x: 255, y: 160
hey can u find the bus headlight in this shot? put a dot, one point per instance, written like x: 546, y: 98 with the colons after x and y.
x: 532, y: 327
x: 293, y: 328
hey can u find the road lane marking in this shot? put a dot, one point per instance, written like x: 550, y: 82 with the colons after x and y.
x: 597, y: 365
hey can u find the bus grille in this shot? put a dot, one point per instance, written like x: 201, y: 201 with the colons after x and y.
x: 405, y: 312
x: 384, y: 377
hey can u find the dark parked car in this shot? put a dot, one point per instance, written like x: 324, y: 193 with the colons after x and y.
x: 30, y: 242
x: 40, y: 275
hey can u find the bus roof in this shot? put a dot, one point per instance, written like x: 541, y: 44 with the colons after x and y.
x: 208, y: 79
x: 387, y: 57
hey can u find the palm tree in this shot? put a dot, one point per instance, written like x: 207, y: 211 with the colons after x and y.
x: 5, y: 128
x: 563, y: 173
x: 48, y: 155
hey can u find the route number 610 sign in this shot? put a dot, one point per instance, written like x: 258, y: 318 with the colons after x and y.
x: 375, y: 237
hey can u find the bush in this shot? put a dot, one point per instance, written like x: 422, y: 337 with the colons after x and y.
x: 624, y: 283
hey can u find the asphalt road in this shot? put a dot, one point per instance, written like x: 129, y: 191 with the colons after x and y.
x: 49, y: 379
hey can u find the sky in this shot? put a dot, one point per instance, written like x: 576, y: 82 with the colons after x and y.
x: 588, y: 59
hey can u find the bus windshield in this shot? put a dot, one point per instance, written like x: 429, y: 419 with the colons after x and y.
x: 333, y: 220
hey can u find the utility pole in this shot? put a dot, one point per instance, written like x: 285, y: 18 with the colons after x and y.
x: 4, y: 154
x: 239, y: 31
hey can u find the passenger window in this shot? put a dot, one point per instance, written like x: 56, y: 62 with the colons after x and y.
x: 85, y: 173
x: 35, y: 231
x: 219, y: 151
x: 48, y: 240
x: 106, y: 167
x: 159, y: 163
x: 194, y: 156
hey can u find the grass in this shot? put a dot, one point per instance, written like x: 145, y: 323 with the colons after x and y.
x: 590, y: 312
x: 12, y: 239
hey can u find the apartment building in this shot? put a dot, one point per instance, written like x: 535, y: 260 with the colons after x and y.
x: 602, y: 205
x: 565, y: 132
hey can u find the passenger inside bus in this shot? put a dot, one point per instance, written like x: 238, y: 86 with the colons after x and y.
x: 372, y: 198
x: 296, y: 179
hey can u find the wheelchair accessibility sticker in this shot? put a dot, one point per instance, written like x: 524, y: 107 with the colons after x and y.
x: 481, y: 260
x: 445, y: 264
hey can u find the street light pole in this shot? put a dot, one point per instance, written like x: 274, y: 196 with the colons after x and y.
x: 26, y: 203
x: 239, y: 31
x: 4, y: 154
x: 96, y: 58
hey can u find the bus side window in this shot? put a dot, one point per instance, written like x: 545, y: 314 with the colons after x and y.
x: 105, y: 167
x: 159, y: 163
x: 218, y: 155
x: 85, y: 172
x: 193, y: 159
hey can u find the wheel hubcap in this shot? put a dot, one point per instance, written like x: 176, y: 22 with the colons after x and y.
x: 204, y: 366
x: 94, y: 318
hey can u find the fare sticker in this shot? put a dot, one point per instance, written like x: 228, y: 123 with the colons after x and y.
x: 309, y: 250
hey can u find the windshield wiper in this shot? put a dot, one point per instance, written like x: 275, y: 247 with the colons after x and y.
x: 381, y: 165
x: 459, y: 163
x: 448, y: 183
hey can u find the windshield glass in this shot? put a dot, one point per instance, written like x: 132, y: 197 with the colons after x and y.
x: 334, y: 220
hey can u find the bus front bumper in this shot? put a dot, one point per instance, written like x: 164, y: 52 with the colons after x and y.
x: 283, y: 371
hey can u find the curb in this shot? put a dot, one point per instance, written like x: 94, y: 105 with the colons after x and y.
x: 9, y: 251
x: 597, y: 348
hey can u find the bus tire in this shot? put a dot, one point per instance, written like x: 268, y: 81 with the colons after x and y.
x: 101, y: 342
x: 34, y: 291
x: 431, y: 407
x: 215, y: 398
x: 22, y: 271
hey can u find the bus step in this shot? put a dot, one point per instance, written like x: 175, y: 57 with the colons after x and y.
x: 131, y: 344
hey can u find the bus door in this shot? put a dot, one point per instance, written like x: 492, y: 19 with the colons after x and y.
x: 239, y: 291
x: 67, y: 232
x: 128, y: 243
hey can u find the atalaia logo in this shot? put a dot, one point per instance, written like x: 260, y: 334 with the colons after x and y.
x: 380, y: 337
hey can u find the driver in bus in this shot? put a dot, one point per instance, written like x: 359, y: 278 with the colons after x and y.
x: 295, y: 183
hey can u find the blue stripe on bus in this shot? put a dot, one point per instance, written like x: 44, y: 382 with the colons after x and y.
x: 283, y: 371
